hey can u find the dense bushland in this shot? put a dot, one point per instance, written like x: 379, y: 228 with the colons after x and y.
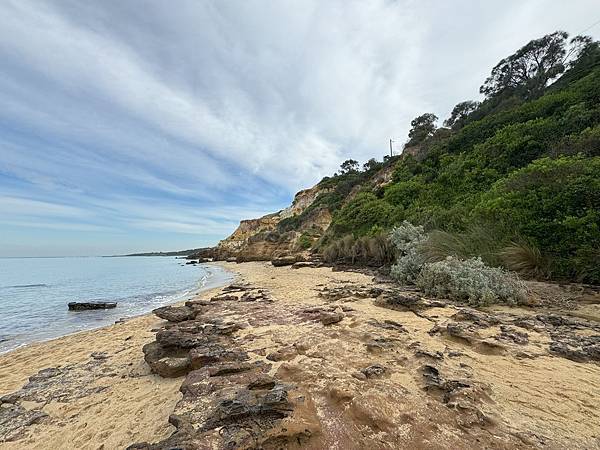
x: 514, y: 180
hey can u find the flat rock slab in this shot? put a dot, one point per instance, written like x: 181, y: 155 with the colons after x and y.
x: 175, y: 313
x: 14, y: 419
x: 283, y: 261
x: 85, y: 306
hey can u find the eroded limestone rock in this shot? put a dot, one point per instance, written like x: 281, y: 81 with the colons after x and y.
x: 329, y: 318
x: 176, y: 313
x: 14, y: 420
x: 239, y: 407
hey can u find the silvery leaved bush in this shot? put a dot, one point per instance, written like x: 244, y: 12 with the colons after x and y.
x: 470, y: 281
x: 406, y: 238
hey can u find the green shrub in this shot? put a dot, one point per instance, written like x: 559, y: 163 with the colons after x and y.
x: 554, y: 204
x: 404, y: 193
x: 479, y: 240
x: 525, y: 259
x: 587, y: 143
x: 305, y: 241
x: 362, y: 213
x: 374, y: 250
x: 489, y: 189
x: 407, y: 238
x: 470, y: 281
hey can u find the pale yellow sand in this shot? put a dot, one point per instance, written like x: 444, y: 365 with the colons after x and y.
x: 548, y: 396
x: 134, y: 408
x: 137, y: 404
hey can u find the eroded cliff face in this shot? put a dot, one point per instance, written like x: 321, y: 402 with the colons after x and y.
x: 248, y: 228
x: 268, y: 237
x: 302, y: 200
x: 261, y: 239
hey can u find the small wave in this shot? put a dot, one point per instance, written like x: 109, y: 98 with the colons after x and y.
x: 25, y: 286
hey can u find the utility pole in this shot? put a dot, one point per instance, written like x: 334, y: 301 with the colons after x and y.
x: 391, y: 153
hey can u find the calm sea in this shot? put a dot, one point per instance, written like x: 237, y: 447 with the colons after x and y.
x: 34, y: 292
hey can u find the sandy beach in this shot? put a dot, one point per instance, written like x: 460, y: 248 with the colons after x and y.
x: 135, y: 404
x: 369, y: 376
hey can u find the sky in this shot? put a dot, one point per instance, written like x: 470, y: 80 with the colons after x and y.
x: 150, y: 125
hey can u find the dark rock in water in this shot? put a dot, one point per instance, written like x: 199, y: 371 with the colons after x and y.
x: 175, y: 313
x: 84, y: 306
x: 283, y: 261
x: 191, y: 262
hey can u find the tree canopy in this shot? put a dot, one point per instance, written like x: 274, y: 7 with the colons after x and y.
x: 535, y: 65
x: 460, y: 113
x: 422, y: 127
x: 530, y: 68
x: 350, y: 165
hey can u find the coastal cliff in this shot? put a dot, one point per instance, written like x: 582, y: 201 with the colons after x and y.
x: 512, y: 180
x: 268, y: 237
x: 298, y: 229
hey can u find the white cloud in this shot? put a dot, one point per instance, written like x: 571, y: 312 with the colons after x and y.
x: 152, y: 110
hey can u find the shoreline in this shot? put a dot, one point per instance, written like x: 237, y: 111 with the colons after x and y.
x: 227, y: 277
x: 106, y: 397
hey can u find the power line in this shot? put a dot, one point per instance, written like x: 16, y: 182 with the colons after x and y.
x: 590, y: 27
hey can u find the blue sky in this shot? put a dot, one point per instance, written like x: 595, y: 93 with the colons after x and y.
x: 149, y: 125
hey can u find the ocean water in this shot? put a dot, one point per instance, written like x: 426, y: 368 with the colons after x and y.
x: 34, y: 292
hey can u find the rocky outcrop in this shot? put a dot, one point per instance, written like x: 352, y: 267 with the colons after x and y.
x: 239, y: 407
x: 283, y: 261
x: 302, y: 200
x: 21, y: 409
x: 228, y: 401
x: 248, y: 228
x: 176, y: 313
x: 86, y: 306
x: 263, y: 239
